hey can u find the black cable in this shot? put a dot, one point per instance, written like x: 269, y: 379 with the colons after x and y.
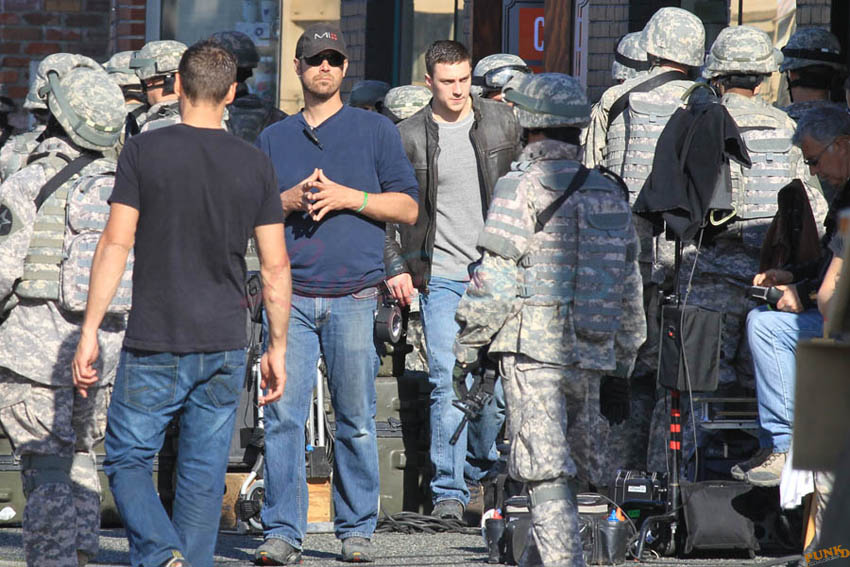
x: 413, y: 523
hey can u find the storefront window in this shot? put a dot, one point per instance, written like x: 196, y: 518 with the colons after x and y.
x: 424, y: 22
x: 191, y: 20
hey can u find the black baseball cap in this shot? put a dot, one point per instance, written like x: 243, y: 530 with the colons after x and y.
x: 318, y: 38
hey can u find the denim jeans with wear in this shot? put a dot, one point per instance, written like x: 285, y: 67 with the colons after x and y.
x: 474, y: 455
x: 150, y: 389
x: 773, y: 337
x: 342, y: 329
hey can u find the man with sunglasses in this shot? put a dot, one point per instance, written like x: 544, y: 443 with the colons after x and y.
x: 459, y: 145
x: 343, y: 174
x: 156, y: 65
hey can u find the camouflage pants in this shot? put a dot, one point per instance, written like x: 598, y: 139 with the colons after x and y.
x: 59, y: 519
x: 556, y: 432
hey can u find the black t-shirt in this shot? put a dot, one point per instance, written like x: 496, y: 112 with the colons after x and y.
x: 200, y: 193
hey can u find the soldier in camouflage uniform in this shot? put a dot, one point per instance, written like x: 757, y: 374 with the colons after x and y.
x: 813, y: 65
x: 248, y: 114
x: 52, y: 428
x: 7, y: 107
x: 135, y: 100
x: 741, y: 58
x: 405, y: 101
x: 156, y: 64
x: 368, y: 95
x: 15, y: 152
x: 629, y: 58
x: 494, y: 72
x: 557, y: 298
x: 674, y: 41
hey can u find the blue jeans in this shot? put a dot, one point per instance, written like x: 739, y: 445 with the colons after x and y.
x: 773, y: 337
x: 150, y: 389
x: 474, y: 455
x: 342, y: 329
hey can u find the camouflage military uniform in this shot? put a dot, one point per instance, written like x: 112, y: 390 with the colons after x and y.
x: 135, y: 101
x: 536, y: 300
x: 16, y: 150
x: 627, y: 146
x: 725, y: 269
x: 159, y: 59
x: 53, y: 430
x: 629, y: 58
x: 405, y: 101
x: 368, y: 94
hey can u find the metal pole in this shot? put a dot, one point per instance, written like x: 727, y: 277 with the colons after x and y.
x: 740, y: 12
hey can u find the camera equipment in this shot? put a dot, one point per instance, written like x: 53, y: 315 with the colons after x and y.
x: 388, y: 320
x: 769, y: 295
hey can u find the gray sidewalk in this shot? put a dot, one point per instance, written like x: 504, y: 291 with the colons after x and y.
x: 321, y: 550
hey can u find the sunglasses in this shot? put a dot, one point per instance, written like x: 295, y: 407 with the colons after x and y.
x: 334, y: 59
x: 813, y: 161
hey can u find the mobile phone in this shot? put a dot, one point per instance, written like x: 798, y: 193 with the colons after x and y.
x: 769, y: 295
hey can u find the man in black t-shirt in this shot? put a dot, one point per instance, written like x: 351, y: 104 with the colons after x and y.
x: 186, y: 199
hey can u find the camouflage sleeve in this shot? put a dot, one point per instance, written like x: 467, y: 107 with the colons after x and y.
x: 813, y: 189
x: 509, y: 226
x: 486, y: 305
x: 17, y: 214
x: 595, y: 136
x: 632, y: 332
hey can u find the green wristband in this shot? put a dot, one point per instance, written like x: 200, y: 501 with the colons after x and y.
x: 365, y: 200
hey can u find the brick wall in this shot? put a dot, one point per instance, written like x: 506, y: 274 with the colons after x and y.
x: 33, y: 29
x: 353, y: 26
x: 127, y: 25
x: 609, y: 19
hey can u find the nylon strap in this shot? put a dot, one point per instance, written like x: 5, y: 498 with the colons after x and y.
x: 813, y: 54
x: 578, y: 180
x: 650, y: 84
x: 549, y: 492
x: 635, y: 64
x: 60, y: 178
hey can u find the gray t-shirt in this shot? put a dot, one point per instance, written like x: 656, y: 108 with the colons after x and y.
x: 460, y: 217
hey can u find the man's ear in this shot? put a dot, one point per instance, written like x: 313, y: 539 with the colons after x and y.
x: 429, y: 82
x: 231, y: 94
x: 178, y: 85
x: 345, y: 66
x: 297, y: 63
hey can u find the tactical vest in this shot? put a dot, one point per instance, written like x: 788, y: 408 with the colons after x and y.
x: 571, y: 277
x: 755, y: 190
x: 65, y: 234
x: 634, y: 134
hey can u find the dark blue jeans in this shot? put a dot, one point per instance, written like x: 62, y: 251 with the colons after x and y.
x: 150, y: 389
x: 342, y: 329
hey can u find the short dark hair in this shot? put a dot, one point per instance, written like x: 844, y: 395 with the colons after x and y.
x: 206, y: 71
x: 445, y: 51
x: 741, y: 81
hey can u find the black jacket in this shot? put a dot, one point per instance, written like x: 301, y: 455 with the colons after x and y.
x: 495, y: 136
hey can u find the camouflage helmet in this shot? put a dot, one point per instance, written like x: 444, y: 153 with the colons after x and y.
x: 88, y: 105
x: 676, y: 35
x: 119, y: 69
x: 629, y: 58
x: 157, y: 58
x: 550, y: 100
x: 494, y: 71
x: 741, y: 50
x: 240, y: 45
x: 812, y: 47
x: 368, y: 93
x: 403, y: 102
x: 59, y: 63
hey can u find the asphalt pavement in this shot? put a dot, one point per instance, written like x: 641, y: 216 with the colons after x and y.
x: 322, y: 550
